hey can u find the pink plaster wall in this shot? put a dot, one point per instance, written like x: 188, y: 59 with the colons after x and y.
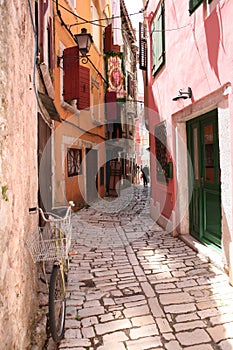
x: 199, y: 54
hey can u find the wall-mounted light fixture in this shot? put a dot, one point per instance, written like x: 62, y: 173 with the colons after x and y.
x: 84, y: 41
x: 183, y: 94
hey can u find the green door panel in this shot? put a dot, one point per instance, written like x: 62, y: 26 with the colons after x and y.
x: 204, y: 178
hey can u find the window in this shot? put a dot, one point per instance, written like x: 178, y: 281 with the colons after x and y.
x: 74, y: 161
x: 161, y: 153
x: 158, y: 39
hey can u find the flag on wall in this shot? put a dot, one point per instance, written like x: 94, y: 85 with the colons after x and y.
x: 116, y: 74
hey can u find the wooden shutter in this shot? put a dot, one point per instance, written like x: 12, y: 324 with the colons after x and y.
x: 108, y: 39
x: 111, y: 105
x: 142, y: 47
x: 193, y: 4
x: 50, y: 44
x: 71, y: 73
x: 41, y: 30
x: 84, y: 88
x: 158, y: 40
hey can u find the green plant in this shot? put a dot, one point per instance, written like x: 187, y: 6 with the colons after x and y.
x: 78, y: 317
x: 4, y: 195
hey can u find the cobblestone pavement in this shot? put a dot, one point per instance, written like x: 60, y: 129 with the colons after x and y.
x: 132, y: 286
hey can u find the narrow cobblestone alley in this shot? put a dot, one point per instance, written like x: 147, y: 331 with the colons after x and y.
x: 132, y: 286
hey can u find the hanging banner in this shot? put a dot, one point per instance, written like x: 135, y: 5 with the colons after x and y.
x: 116, y: 74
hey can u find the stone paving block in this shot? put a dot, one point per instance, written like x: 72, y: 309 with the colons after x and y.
x: 187, y: 317
x: 144, y: 343
x: 91, y: 311
x: 143, y: 331
x: 168, y: 336
x: 180, y: 308
x: 88, y: 332
x: 133, y: 260
x: 155, y: 307
x: 200, y: 347
x: 148, y: 290
x: 198, y: 336
x: 106, y: 317
x: 73, y: 333
x: 136, y: 311
x: 226, y: 344
x: 112, y: 346
x: 188, y: 325
x: 91, y: 303
x: 89, y: 321
x: 112, y: 326
x: 115, y: 337
x: 221, y: 332
x: 221, y: 319
x: 128, y: 299
x: 165, y: 286
x: 135, y: 303
x: 74, y: 343
x: 142, y: 320
x: 174, y: 298
x: 173, y: 345
x: 163, y: 325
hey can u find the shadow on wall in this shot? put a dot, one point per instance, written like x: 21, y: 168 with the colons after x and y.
x: 213, y: 39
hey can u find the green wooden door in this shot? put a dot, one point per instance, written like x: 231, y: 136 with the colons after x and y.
x: 204, y: 179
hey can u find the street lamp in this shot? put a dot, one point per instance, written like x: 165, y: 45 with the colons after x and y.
x: 84, y: 41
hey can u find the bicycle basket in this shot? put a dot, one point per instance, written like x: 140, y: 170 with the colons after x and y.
x: 42, y: 248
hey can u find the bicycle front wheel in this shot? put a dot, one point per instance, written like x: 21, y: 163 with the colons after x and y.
x: 57, y: 304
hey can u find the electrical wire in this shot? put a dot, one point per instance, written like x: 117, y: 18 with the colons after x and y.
x: 93, y: 22
x: 35, y: 63
x: 81, y: 129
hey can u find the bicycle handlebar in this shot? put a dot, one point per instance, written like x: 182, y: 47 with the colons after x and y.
x: 55, y: 217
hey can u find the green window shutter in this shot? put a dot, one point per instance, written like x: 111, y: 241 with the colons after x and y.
x: 158, y: 40
x: 193, y: 4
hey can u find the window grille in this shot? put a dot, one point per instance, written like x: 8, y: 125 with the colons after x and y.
x: 161, y: 152
x: 74, y: 161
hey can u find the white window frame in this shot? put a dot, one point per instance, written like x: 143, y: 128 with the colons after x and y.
x: 95, y: 109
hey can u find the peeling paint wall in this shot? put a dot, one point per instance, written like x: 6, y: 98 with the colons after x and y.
x: 18, y: 173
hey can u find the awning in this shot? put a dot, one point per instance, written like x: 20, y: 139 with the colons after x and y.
x: 49, y: 105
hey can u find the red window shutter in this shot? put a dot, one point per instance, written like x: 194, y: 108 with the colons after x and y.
x: 108, y: 40
x: 111, y: 105
x: 71, y: 73
x: 84, y: 88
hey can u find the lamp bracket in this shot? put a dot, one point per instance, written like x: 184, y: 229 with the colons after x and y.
x: 183, y: 94
x: 83, y: 59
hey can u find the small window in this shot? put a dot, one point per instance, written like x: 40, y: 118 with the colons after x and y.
x: 74, y: 161
x: 158, y: 39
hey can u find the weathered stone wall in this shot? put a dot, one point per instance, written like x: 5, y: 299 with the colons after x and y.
x: 18, y: 174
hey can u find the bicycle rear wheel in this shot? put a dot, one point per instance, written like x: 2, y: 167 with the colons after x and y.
x: 57, y: 304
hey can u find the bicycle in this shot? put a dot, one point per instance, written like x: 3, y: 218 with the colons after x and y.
x: 51, y: 243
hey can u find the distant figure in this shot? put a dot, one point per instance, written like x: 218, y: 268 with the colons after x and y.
x: 145, y: 174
